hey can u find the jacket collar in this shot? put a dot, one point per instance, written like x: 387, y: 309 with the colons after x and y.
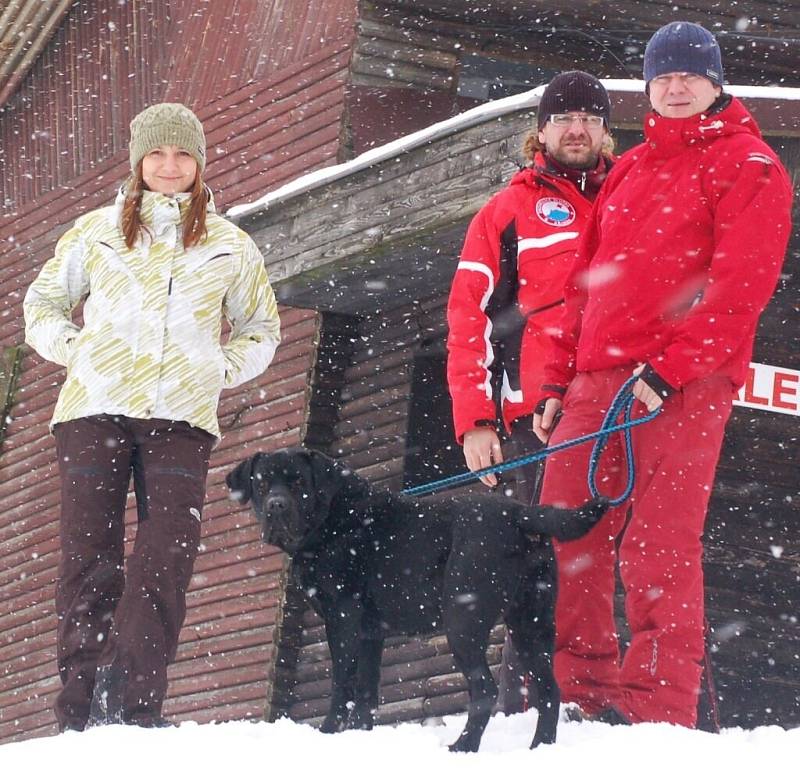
x: 587, y: 181
x: 159, y: 211
x: 670, y: 136
x: 545, y: 172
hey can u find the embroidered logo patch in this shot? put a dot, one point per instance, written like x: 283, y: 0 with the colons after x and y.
x: 555, y: 212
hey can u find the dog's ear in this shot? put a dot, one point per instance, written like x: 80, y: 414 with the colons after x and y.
x: 240, y: 480
x: 327, y: 476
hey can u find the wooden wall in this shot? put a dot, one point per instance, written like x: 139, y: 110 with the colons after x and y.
x: 110, y: 60
x: 607, y: 38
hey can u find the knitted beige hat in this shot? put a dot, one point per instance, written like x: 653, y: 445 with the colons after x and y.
x: 168, y: 123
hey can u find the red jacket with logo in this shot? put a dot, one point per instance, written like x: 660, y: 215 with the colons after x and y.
x: 507, y: 295
x: 682, y: 254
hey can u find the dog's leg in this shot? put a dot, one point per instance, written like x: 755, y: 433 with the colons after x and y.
x: 482, y: 696
x: 536, y: 656
x: 468, y: 636
x: 561, y: 523
x: 342, y: 626
x: 368, y: 676
x: 530, y: 621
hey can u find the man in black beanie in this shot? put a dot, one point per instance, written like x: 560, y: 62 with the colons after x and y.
x: 508, y: 289
x: 682, y: 255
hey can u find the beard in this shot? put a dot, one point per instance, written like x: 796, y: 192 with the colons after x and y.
x: 576, y: 156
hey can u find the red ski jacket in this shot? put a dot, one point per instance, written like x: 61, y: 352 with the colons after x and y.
x: 682, y: 254
x: 507, y: 294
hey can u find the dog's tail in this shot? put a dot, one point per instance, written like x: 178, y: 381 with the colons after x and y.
x: 562, y: 523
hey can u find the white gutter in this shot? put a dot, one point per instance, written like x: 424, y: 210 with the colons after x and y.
x: 477, y: 115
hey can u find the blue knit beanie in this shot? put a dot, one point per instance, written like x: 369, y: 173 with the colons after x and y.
x: 683, y: 47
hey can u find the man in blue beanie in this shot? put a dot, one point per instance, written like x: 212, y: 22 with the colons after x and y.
x: 682, y: 255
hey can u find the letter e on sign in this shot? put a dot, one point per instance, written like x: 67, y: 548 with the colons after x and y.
x: 785, y: 385
x: 770, y: 388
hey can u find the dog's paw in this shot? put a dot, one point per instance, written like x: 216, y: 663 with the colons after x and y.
x: 545, y: 740
x: 362, y: 718
x: 333, y: 724
x: 466, y: 743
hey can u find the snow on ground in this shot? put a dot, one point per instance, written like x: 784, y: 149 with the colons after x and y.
x: 409, y: 748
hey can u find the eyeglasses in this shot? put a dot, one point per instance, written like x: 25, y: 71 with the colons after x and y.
x: 566, y: 119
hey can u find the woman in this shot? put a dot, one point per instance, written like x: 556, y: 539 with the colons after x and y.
x: 157, y: 270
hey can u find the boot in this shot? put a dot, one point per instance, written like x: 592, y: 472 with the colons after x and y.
x: 71, y: 725
x: 156, y: 721
x: 572, y: 713
x: 109, y: 687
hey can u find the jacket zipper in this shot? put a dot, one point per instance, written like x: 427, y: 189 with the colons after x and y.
x: 544, y: 308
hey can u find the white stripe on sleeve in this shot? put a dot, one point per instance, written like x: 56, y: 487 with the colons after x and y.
x: 489, y: 350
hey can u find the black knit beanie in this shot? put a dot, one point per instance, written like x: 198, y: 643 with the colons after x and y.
x: 574, y: 91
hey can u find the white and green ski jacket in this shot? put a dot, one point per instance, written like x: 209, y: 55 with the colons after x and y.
x: 150, y: 345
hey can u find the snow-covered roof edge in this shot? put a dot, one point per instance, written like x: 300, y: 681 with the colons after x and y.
x: 477, y: 115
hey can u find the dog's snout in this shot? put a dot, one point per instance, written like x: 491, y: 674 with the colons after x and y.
x: 276, y: 504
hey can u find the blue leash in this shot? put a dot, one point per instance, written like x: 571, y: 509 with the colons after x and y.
x: 622, y: 404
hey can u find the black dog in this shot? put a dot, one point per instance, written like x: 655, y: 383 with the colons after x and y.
x: 373, y: 563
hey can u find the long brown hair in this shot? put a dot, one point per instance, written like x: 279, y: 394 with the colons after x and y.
x: 194, y: 220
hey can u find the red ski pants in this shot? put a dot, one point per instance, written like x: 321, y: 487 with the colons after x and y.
x: 656, y: 538
x: 131, y: 620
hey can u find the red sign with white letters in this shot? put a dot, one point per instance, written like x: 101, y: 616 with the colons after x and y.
x: 771, y: 388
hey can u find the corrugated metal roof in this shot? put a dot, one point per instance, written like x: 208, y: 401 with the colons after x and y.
x: 26, y: 27
x: 110, y: 60
x: 239, y: 40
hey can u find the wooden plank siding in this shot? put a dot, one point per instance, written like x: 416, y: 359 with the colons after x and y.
x: 105, y: 64
x: 365, y: 216
x: 605, y: 38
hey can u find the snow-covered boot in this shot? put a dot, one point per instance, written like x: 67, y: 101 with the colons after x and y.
x: 109, y: 687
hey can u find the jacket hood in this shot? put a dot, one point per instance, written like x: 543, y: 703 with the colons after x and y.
x: 526, y: 176
x: 667, y: 136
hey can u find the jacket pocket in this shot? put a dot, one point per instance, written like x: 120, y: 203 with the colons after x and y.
x: 219, y: 361
x: 72, y: 345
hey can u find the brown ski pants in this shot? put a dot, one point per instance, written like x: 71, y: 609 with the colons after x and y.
x: 130, y: 619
